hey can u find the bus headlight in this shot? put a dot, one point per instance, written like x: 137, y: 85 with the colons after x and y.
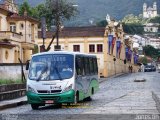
x: 30, y: 89
x: 68, y: 88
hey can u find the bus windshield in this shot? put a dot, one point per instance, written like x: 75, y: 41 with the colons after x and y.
x: 51, y: 67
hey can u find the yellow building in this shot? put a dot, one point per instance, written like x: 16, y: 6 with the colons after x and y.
x: 17, y: 34
x: 95, y: 40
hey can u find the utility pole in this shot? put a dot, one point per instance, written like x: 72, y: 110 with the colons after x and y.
x: 57, y: 47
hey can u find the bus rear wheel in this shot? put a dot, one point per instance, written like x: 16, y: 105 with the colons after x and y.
x: 34, y: 106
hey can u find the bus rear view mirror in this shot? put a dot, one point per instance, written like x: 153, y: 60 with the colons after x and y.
x: 27, y: 65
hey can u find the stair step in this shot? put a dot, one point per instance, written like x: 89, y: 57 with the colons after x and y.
x: 4, y: 88
x: 12, y: 94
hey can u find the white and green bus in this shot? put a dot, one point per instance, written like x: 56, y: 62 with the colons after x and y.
x: 61, y: 77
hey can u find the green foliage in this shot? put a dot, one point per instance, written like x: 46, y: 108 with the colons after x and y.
x: 155, y: 20
x: 8, y: 82
x: 133, y: 28
x: 151, y: 51
x: 38, y: 11
x: 133, y: 24
x: 97, y: 9
x: 132, y: 19
x: 102, y: 23
x: 23, y: 7
x: 49, y: 10
x: 58, y: 10
x: 35, y: 12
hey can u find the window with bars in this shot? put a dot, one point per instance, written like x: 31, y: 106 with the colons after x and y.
x: 76, y: 48
x: 92, y: 48
x: 99, y: 48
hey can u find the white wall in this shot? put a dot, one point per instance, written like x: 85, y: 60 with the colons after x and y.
x: 11, y: 72
x: 4, y: 25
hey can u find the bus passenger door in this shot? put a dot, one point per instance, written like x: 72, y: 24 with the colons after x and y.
x: 79, y: 85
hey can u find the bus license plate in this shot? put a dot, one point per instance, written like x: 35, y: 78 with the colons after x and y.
x: 49, y: 102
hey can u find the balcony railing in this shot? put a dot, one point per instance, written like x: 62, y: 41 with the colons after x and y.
x: 10, y: 35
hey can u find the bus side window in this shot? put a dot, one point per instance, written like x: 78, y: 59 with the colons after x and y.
x: 91, y: 66
x: 86, y: 66
x: 79, y: 66
x: 95, y: 65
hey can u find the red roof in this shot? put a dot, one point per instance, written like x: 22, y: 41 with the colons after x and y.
x: 18, y: 17
x: 89, y: 31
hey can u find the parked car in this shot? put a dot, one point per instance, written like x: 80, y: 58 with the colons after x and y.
x: 149, y: 68
x: 153, y: 68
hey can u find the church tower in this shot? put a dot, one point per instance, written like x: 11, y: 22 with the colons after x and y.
x: 11, y: 6
x: 150, y: 12
x: 144, y: 10
x: 144, y: 7
x: 155, y: 9
x: 155, y: 6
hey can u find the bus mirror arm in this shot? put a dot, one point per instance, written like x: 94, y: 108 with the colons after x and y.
x: 27, y: 64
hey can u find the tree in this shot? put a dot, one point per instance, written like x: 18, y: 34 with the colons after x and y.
x: 62, y: 11
x: 38, y: 11
x: 58, y: 11
x: 155, y: 19
x: 133, y: 28
x: 102, y: 23
x: 27, y: 7
x: 131, y: 19
x: 151, y: 51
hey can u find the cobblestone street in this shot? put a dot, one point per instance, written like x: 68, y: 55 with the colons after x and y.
x: 118, y: 98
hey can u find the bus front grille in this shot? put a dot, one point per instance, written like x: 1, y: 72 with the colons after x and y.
x: 55, y: 98
x: 46, y: 91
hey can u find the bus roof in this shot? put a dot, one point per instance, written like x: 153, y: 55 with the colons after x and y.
x: 62, y: 52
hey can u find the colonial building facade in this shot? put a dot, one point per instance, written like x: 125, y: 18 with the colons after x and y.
x: 108, y: 44
x: 17, y: 34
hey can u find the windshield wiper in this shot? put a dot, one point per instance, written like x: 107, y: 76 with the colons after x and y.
x: 58, y: 73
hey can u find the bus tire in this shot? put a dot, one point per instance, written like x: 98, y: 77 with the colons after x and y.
x: 58, y: 105
x: 34, y: 106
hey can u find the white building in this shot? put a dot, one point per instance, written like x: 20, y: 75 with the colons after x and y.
x: 149, y: 12
x: 151, y: 27
x: 143, y: 41
x: 155, y: 42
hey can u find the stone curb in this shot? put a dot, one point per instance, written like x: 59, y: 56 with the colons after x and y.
x: 114, y: 76
x: 12, y: 105
x: 157, y: 100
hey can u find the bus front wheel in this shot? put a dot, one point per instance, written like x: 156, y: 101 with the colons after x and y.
x: 34, y: 106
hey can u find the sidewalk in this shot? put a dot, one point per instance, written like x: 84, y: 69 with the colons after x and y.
x: 114, y: 76
x: 13, y: 103
x: 156, y: 97
x: 23, y: 100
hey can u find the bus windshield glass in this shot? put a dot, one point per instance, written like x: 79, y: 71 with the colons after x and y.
x: 51, y: 67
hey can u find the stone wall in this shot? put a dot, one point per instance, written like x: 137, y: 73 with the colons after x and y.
x: 11, y: 71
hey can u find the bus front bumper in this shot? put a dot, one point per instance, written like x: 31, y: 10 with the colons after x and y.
x: 65, y: 97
